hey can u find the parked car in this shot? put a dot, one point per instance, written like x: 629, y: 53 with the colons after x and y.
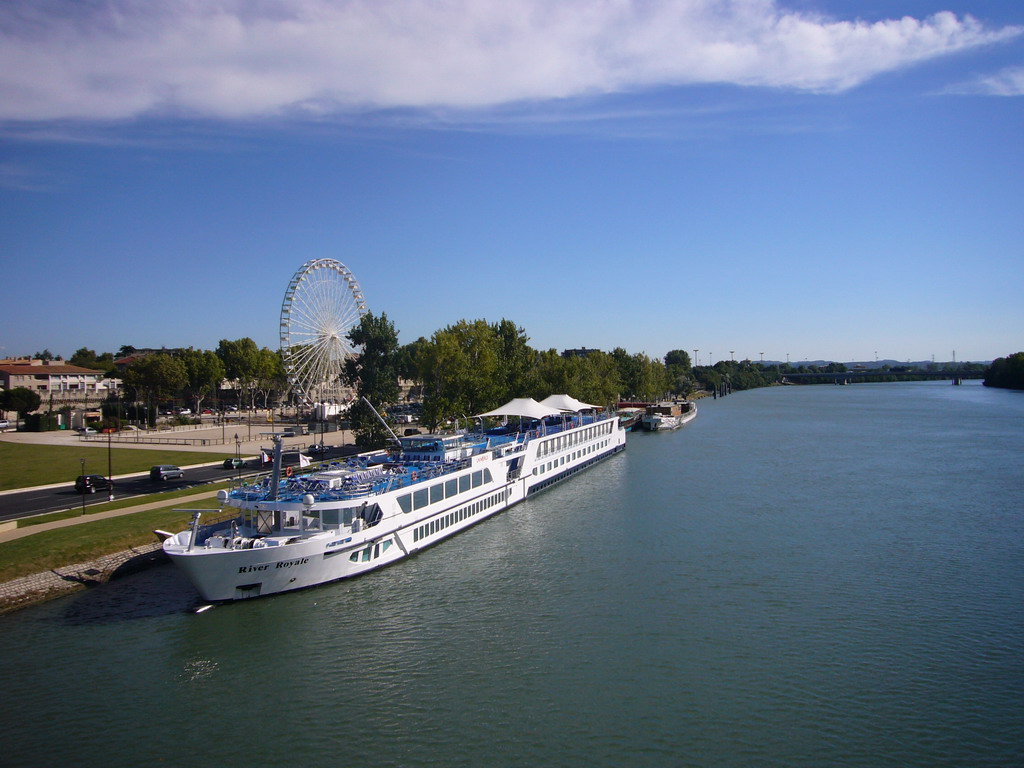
x: 318, y: 449
x: 86, y: 431
x: 234, y: 463
x: 166, y: 472
x: 91, y: 483
x: 4, y: 424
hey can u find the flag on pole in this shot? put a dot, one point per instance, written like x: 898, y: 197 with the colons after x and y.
x: 263, y: 457
x: 304, y: 461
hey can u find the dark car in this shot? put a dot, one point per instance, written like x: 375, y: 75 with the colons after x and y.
x: 318, y: 449
x: 166, y: 472
x: 234, y: 463
x: 91, y: 483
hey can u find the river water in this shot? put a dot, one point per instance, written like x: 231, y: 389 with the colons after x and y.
x: 803, y: 576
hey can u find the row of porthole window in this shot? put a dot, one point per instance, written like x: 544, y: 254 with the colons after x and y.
x: 371, y: 552
x: 447, y: 489
x: 440, y: 523
x: 570, y: 457
x: 562, y: 442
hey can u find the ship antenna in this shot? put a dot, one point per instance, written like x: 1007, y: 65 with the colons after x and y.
x: 381, y: 420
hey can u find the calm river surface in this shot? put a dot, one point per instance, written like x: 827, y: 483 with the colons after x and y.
x: 804, y: 576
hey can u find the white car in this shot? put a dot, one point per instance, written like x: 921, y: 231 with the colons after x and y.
x: 4, y: 424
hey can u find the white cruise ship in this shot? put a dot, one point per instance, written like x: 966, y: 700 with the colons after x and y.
x: 340, y: 520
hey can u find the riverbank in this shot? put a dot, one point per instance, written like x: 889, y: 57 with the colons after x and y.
x: 58, y: 582
x: 130, y: 554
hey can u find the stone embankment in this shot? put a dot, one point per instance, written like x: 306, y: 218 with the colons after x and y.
x: 40, y: 587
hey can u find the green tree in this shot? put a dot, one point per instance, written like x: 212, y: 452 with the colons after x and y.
x: 374, y: 373
x: 241, y: 360
x: 204, y: 372
x: 642, y: 378
x: 20, y: 400
x: 1006, y: 372
x: 678, y: 368
x: 461, y: 372
x: 602, y: 385
x: 87, y: 358
x: 156, y: 377
x: 652, y: 379
x: 517, y: 360
x: 84, y: 357
x: 269, y: 374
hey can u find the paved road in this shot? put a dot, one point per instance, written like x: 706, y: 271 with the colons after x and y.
x: 36, y: 501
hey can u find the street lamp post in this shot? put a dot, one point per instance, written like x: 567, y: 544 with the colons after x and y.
x: 238, y: 458
x: 83, y: 486
x: 110, y: 466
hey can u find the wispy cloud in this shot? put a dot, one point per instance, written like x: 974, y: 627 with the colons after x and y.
x: 1006, y: 82
x: 24, y: 178
x: 232, y: 59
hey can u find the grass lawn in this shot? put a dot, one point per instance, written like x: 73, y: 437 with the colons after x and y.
x: 26, y: 465
x: 87, y: 541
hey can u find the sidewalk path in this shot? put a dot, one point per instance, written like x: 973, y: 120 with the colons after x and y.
x: 28, y: 530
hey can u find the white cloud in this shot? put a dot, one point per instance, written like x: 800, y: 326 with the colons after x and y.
x: 65, y: 59
x: 1006, y: 82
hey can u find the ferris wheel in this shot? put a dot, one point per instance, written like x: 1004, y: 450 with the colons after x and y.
x: 322, y: 304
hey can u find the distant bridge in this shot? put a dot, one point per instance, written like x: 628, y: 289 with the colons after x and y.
x: 850, y: 376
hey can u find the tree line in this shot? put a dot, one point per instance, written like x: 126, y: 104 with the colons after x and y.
x: 1006, y: 372
x: 474, y: 365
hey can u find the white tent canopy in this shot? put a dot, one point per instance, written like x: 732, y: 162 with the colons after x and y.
x: 566, y: 403
x: 526, y: 407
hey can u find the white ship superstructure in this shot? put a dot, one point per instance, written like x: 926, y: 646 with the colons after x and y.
x: 342, y: 520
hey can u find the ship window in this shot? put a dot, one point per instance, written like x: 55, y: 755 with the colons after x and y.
x: 464, y: 483
x: 354, y: 556
x: 451, y: 487
x: 329, y: 516
x: 376, y: 551
x: 478, y: 478
x: 436, y: 492
x: 366, y: 555
x: 419, y: 498
x: 487, y: 475
x: 387, y: 545
x: 405, y: 502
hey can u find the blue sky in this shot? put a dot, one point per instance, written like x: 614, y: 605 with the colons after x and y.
x: 817, y: 179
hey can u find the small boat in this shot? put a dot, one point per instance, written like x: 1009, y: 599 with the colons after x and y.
x: 629, y: 418
x: 285, y: 532
x: 663, y: 416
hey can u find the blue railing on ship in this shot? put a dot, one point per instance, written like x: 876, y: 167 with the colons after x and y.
x: 371, y: 480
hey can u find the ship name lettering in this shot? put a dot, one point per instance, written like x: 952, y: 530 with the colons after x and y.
x: 290, y: 563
